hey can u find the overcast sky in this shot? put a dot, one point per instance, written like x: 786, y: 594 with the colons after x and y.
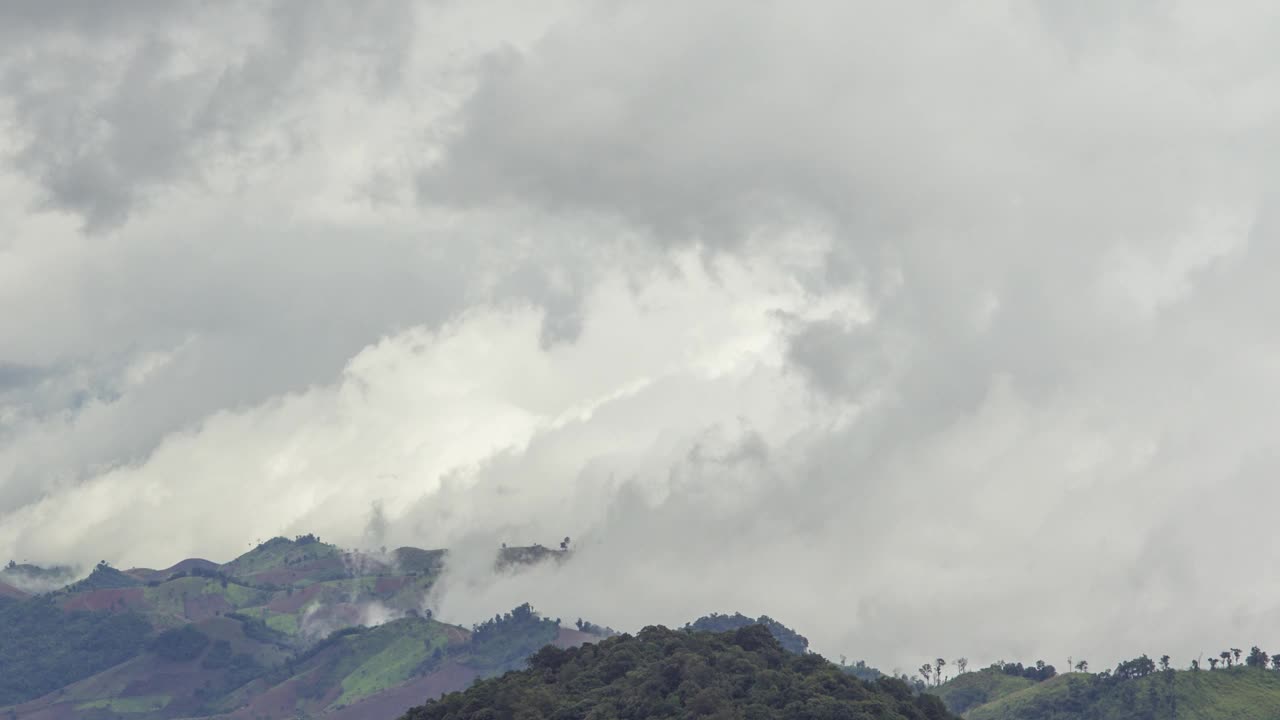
x: 928, y: 329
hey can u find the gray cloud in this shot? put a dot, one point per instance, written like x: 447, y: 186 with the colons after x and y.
x: 931, y: 332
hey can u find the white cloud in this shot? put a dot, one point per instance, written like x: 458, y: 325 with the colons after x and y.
x: 928, y: 332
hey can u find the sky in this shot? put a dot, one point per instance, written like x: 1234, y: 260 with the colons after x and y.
x: 927, y: 330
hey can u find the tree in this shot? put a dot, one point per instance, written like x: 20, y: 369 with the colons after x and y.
x: 1257, y: 658
x: 1082, y: 666
x: 1275, y: 662
x: 1136, y: 668
x: 961, y: 665
x: 1164, y: 662
x: 1226, y: 657
x: 1195, y: 665
x: 1213, y: 663
x: 1235, y: 653
x: 926, y: 672
x: 939, y: 663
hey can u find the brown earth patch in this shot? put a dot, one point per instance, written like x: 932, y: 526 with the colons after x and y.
x: 106, y: 599
x: 277, y: 702
x: 9, y: 591
x: 386, y: 585
x: 570, y: 638
x: 204, y: 606
x: 295, y: 602
x: 456, y: 635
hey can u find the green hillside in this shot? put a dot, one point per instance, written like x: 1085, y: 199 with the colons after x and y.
x: 663, y: 673
x: 1239, y: 693
x: 43, y: 648
x: 971, y: 689
x: 104, y: 577
x: 347, y: 667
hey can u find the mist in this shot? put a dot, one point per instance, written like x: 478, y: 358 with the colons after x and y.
x: 928, y: 333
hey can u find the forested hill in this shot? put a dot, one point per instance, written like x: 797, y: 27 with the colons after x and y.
x: 790, y: 640
x: 663, y: 673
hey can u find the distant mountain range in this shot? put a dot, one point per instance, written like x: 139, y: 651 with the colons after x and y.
x: 298, y: 628
x: 291, y: 628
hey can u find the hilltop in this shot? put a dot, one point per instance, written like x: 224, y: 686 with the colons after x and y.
x: 661, y: 673
x: 293, y: 626
x: 1136, y: 692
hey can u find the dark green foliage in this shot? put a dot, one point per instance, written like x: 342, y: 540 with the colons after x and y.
x: 788, y: 638
x: 862, y: 671
x: 665, y: 673
x: 511, y: 557
x: 504, y: 642
x: 1038, y: 672
x: 218, y: 657
x: 43, y: 648
x: 180, y: 644
x: 1136, y: 668
x: 594, y: 629
x: 417, y: 561
x: 255, y: 629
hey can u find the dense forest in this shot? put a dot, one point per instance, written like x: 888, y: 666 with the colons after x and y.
x: 789, y: 639
x: 43, y: 648
x: 663, y: 673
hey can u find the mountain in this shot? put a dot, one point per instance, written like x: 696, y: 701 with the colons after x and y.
x: 1238, y: 693
x: 291, y: 627
x: 663, y: 673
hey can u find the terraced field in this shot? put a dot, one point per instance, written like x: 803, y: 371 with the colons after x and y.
x: 291, y: 628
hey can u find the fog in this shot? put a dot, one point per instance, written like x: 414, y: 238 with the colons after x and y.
x: 927, y: 331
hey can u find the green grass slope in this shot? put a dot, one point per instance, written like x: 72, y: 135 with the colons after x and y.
x: 281, y: 562
x: 1239, y: 693
x: 347, y: 667
x: 176, y: 673
x: 971, y: 689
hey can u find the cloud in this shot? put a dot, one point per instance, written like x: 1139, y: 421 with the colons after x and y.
x: 928, y: 332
